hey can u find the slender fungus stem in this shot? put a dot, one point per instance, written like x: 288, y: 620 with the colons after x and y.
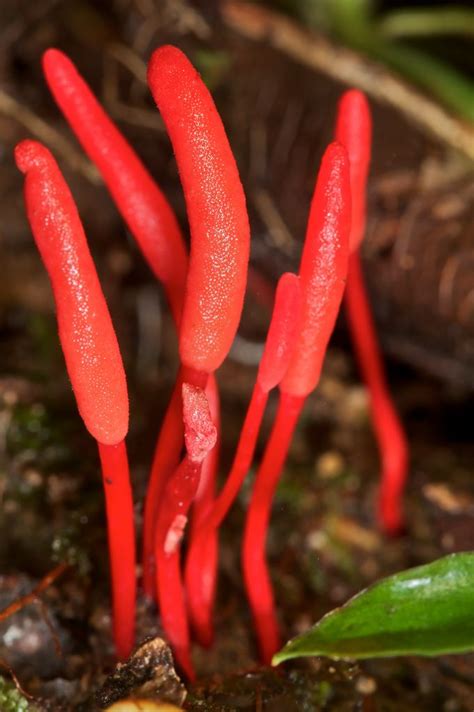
x: 276, y: 357
x: 279, y: 345
x: 121, y: 538
x: 92, y: 358
x: 322, y: 273
x: 256, y: 576
x: 353, y: 130
x: 165, y: 460
x: 388, y: 429
x: 200, y: 437
x: 200, y: 599
x: 202, y: 557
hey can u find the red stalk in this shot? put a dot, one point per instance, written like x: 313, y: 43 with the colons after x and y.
x: 202, y: 558
x: 165, y: 460
x: 218, y: 220
x: 353, y: 130
x: 200, y: 600
x: 121, y: 538
x: 200, y: 437
x: 93, y: 360
x: 256, y: 576
x: 388, y: 429
x: 276, y: 356
x: 323, y: 271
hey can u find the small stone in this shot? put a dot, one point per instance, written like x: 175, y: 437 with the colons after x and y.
x: 317, y: 540
x: 355, y: 408
x: 329, y: 465
x: 10, y: 397
x: 148, y: 675
x: 366, y: 685
x: 33, y: 477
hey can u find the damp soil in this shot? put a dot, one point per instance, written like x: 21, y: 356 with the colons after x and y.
x: 324, y: 544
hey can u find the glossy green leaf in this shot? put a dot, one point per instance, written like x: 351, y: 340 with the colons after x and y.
x: 428, y: 610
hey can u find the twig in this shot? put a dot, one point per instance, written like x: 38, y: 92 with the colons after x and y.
x: 16, y: 681
x: 40, y: 129
x: 314, y: 50
x: 129, y: 59
x: 117, y: 54
x: 270, y: 215
x: 31, y: 597
x: 31, y: 15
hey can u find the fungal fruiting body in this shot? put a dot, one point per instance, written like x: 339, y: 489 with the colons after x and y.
x: 92, y: 358
x: 353, y: 130
x: 152, y: 222
x: 322, y: 274
x: 205, y: 292
x: 215, y: 203
x: 154, y: 226
x: 217, y: 272
x: 145, y: 209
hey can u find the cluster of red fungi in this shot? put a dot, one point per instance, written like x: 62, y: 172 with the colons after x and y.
x: 205, y: 290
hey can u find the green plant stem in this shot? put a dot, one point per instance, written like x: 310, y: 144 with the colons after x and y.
x: 427, y: 22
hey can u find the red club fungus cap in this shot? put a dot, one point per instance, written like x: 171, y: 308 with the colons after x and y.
x: 86, y: 333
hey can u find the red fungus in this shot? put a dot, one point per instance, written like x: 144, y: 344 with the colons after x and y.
x: 200, y: 437
x: 151, y: 220
x: 215, y: 203
x: 203, y: 553
x: 145, y: 209
x: 388, y: 428
x: 279, y: 345
x: 353, y: 130
x: 220, y: 239
x: 206, y: 298
x: 92, y: 358
x: 165, y: 459
x: 322, y: 272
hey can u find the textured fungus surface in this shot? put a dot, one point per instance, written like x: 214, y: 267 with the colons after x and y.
x: 87, y: 336
x: 323, y: 270
x: 215, y: 201
x: 144, y: 207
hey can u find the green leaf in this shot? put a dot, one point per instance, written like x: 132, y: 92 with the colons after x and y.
x: 428, y: 610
